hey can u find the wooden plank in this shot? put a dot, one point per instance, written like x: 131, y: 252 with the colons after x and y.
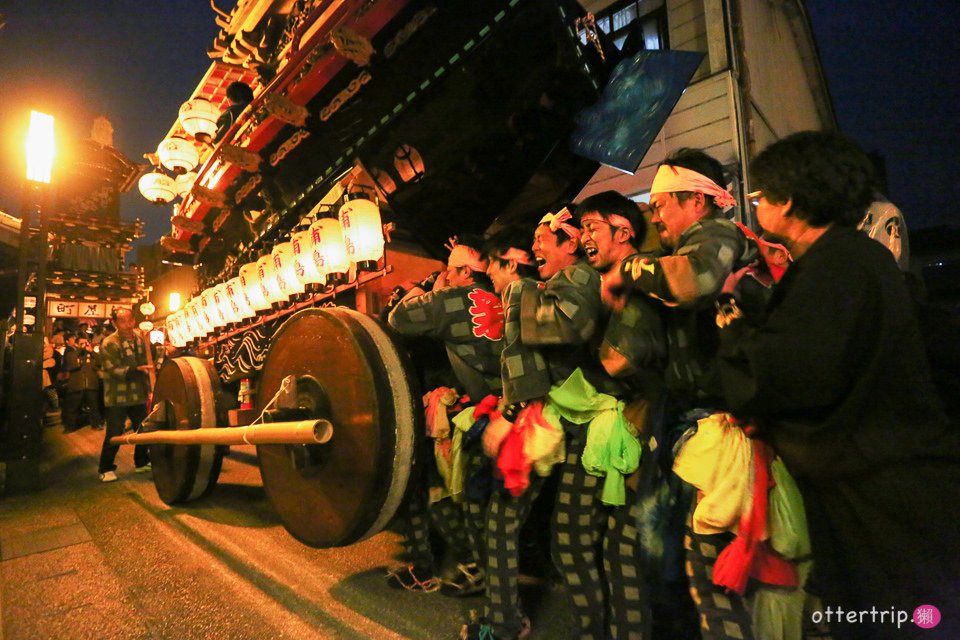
x: 680, y: 13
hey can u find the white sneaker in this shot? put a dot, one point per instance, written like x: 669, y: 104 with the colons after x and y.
x: 109, y: 476
x: 144, y: 469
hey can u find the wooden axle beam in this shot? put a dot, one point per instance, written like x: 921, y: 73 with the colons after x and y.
x: 296, y: 432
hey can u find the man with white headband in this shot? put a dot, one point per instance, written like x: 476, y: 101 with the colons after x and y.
x: 705, y: 248
x: 550, y: 338
x: 463, y: 312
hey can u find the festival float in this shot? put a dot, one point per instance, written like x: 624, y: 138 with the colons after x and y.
x: 376, y: 130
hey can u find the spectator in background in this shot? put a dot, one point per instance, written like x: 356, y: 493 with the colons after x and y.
x: 51, y: 400
x: 126, y: 385
x: 69, y: 365
x: 83, y: 388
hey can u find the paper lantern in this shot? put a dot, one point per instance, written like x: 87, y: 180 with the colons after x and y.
x: 408, y: 162
x: 268, y: 280
x: 250, y: 282
x: 307, y: 272
x: 238, y: 299
x: 208, y: 307
x: 146, y: 325
x: 198, y: 117
x: 224, y: 305
x: 157, y: 187
x: 197, y: 327
x: 285, y: 264
x: 147, y: 308
x: 184, y: 182
x: 175, y: 329
x: 362, y: 232
x: 178, y: 154
x: 329, y: 251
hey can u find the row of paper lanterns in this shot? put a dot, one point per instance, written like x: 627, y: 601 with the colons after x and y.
x: 311, y: 257
x: 198, y: 117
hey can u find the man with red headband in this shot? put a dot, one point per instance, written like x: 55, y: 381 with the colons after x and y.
x: 463, y: 311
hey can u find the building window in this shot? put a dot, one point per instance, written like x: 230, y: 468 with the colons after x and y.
x: 621, y: 18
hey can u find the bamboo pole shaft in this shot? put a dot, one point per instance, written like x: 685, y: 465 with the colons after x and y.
x: 296, y: 432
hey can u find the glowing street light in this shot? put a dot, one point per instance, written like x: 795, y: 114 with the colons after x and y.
x: 40, y: 147
x: 174, y: 302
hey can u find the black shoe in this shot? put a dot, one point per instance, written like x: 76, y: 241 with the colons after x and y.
x: 468, y: 582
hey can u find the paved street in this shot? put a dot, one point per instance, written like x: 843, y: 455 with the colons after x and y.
x: 81, y: 559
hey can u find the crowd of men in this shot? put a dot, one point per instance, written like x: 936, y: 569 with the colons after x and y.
x: 734, y: 434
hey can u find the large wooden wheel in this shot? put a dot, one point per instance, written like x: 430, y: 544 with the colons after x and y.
x: 190, y: 389
x: 346, y: 367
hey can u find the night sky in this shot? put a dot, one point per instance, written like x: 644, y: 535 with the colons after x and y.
x: 892, y: 67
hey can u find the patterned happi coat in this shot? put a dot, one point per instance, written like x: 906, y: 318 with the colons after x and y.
x: 689, y: 280
x: 469, y: 321
x: 117, y: 356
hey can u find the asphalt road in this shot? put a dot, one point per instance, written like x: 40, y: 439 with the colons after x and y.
x: 82, y: 559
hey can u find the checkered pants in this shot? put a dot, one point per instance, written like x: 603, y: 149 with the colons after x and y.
x: 505, y: 517
x: 722, y: 614
x: 616, y: 597
x: 446, y: 517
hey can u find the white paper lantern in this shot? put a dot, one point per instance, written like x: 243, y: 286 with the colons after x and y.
x: 252, y: 289
x: 329, y: 251
x: 157, y: 187
x: 196, y: 324
x: 362, y: 231
x: 268, y: 280
x: 184, y: 182
x: 285, y: 265
x: 178, y: 154
x: 209, y: 308
x: 224, y: 305
x: 198, y: 117
x: 307, y: 272
x: 146, y: 325
x: 147, y: 308
x: 175, y: 329
x: 238, y: 299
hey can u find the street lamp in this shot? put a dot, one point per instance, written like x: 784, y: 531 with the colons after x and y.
x: 25, y: 410
x: 174, y: 301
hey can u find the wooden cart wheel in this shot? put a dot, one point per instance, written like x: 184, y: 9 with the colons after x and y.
x: 346, y: 366
x: 191, y: 389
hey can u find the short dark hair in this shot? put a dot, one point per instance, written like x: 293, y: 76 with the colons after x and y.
x: 512, y: 237
x: 239, y: 93
x: 698, y: 161
x: 471, y: 240
x: 829, y: 177
x: 608, y: 203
